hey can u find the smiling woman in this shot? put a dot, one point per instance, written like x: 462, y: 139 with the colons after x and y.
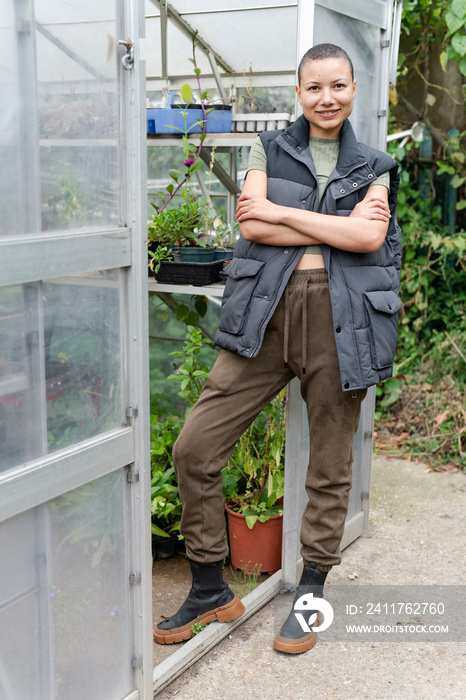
x: 326, y: 92
x: 327, y: 317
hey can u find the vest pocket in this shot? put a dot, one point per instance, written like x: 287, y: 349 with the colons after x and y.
x: 381, y: 311
x: 242, y: 278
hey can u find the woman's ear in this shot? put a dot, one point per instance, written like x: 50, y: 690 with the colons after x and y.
x: 298, y: 93
x: 354, y: 89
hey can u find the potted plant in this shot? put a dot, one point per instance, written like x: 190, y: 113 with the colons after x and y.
x: 253, y: 487
x: 181, y: 228
x: 225, y: 238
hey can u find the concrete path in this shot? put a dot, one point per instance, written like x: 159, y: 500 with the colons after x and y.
x: 417, y: 537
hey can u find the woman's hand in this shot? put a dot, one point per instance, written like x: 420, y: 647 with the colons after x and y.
x: 373, y: 207
x: 257, y: 207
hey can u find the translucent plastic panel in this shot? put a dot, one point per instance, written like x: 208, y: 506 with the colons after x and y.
x: 362, y: 43
x: 64, y: 598
x: 20, y: 609
x: 244, y: 34
x: 10, y: 222
x: 77, y: 117
x: 60, y: 364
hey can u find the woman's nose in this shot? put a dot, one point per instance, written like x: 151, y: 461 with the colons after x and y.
x: 326, y: 97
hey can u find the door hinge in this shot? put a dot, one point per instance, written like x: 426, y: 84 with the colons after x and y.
x: 364, y: 495
x: 134, y: 579
x: 132, y: 476
x: 136, y: 662
x: 385, y: 43
x: 382, y: 113
x: 367, y: 435
x: 128, y: 59
x: 131, y: 413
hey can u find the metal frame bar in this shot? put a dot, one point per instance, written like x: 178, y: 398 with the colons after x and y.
x: 62, y: 254
x: 36, y: 482
x: 219, y: 172
x: 133, y: 83
x: 68, y: 52
x: 396, y: 13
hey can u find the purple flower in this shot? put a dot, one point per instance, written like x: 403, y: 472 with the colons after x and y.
x: 114, y: 611
x: 188, y: 162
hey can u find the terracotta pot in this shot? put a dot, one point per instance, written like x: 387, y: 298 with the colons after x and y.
x: 258, y: 550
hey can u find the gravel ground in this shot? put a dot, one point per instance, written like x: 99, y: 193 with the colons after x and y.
x: 416, y: 537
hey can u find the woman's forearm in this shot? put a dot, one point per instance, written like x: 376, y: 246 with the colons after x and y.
x: 354, y: 234
x: 274, y: 234
x: 363, y: 231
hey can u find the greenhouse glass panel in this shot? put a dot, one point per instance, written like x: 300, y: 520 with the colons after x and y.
x: 64, y: 611
x: 242, y: 34
x: 78, y: 116
x: 10, y: 160
x: 60, y: 371
x: 362, y: 43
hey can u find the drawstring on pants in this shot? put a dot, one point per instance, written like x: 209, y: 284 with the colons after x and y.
x: 306, y: 278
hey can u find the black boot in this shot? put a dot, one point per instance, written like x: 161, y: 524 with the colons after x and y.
x: 291, y: 638
x: 209, y: 599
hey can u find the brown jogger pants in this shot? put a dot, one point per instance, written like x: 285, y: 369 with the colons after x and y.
x: 300, y: 333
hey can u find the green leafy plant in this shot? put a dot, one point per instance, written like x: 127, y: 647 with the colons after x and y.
x: 254, y: 476
x: 244, y: 583
x: 225, y: 235
x: 191, y: 373
x: 165, y: 502
x: 423, y: 404
x: 190, y: 376
x: 197, y: 627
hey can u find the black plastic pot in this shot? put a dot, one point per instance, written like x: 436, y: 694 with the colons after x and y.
x: 164, y: 547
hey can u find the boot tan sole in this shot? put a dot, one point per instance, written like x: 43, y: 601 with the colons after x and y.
x: 225, y: 613
x: 295, y: 646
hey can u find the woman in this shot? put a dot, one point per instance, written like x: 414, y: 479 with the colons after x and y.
x: 311, y: 293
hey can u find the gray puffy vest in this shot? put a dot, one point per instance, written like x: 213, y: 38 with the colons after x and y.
x: 363, y: 286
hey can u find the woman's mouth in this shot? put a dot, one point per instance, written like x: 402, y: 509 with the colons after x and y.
x: 328, y: 113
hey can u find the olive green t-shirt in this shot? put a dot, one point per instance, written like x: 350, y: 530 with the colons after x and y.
x: 324, y: 154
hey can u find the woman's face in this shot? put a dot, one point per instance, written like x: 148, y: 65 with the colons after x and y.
x: 326, y: 93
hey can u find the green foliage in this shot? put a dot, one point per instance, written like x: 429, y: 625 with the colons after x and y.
x: 245, y: 583
x: 453, y: 164
x: 432, y: 276
x: 181, y: 225
x: 446, y: 20
x: 197, y: 627
x: 254, y: 475
x: 432, y: 328
x: 191, y: 374
x: 455, y: 19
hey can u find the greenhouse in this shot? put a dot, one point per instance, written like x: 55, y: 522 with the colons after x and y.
x: 83, y: 352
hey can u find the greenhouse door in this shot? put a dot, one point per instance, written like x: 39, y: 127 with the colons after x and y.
x: 369, y: 32
x: 75, y: 583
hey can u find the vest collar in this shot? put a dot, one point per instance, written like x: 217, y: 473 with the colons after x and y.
x: 296, y: 137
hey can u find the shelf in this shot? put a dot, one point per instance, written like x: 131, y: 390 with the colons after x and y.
x: 76, y: 143
x: 233, y: 140
x: 208, y: 290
